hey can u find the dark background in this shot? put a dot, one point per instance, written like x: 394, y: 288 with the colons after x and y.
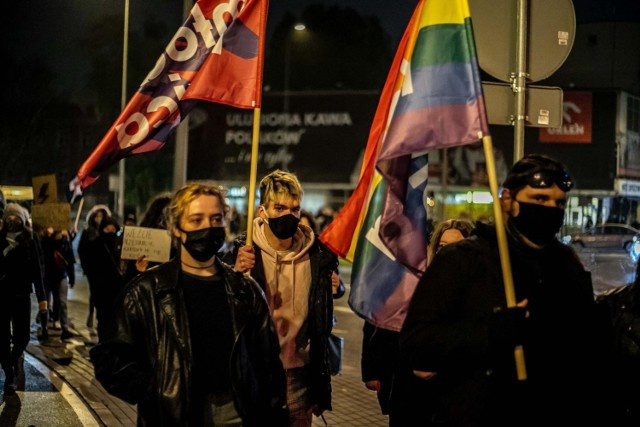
x: 64, y: 62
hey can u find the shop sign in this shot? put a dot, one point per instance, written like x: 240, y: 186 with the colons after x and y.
x: 576, y: 120
x: 627, y: 187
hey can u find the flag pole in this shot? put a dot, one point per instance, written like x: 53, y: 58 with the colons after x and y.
x: 253, y: 175
x: 75, y: 224
x: 503, y: 248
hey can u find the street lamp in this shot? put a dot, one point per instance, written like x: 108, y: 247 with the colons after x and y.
x: 298, y: 28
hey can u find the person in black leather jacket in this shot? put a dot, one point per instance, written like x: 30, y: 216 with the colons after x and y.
x: 192, y: 341
x: 295, y: 269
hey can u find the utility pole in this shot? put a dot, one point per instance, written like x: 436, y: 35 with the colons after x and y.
x: 123, y: 103
x: 181, y: 153
x: 531, y: 50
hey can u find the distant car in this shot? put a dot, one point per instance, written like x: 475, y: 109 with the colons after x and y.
x: 610, y: 235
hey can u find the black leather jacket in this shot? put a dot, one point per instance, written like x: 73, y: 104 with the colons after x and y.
x: 323, y: 264
x: 146, y: 357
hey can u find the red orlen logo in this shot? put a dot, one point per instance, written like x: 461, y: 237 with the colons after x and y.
x: 576, y: 120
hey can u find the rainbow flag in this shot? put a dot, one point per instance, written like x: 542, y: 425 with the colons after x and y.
x: 216, y: 56
x: 432, y: 99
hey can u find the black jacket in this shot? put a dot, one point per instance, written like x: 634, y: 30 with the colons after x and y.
x: 21, y: 268
x: 59, y: 261
x: 378, y: 359
x: 450, y: 329
x: 323, y: 264
x: 146, y: 356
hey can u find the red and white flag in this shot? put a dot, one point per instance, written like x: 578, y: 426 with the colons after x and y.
x: 216, y: 56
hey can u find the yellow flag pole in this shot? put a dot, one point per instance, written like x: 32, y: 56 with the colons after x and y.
x: 503, y: 247
x: 253, y: 175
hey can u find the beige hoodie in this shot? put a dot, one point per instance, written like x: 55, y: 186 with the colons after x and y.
x: 288, y: 277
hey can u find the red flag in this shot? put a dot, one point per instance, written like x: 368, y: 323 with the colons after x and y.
x: 216, y: 55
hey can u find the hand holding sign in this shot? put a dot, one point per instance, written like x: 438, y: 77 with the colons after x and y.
x: 153, y: 243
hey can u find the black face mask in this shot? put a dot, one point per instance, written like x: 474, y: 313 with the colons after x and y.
x: 203, y: 244
x: 13, y: 226
x: 111, y: 241
x: 538, y: 223
x: 285, y: 226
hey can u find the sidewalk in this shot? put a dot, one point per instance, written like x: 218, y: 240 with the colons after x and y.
x: 70, y: 360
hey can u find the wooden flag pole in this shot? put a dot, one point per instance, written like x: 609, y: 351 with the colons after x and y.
x: 503, y: 248
x: 75, y: 224
x: 253, y: 175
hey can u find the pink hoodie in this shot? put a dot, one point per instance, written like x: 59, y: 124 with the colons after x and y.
x: 288, y: 277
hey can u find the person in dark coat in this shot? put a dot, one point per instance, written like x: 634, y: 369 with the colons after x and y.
x: 107, y: 278
x: 380, y: 345
x: 192, y: 342
x: 459, y: 328
x: 59, y: 274
x: 20, y: 274
x: 85, y: 249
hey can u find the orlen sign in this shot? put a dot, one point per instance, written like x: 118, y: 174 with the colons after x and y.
x: 576, y: 120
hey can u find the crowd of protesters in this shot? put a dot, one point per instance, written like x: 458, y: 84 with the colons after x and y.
x: 234, y: 329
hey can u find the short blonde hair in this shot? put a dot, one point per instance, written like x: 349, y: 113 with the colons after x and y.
x: 183, y: 197
x: 278, y: 184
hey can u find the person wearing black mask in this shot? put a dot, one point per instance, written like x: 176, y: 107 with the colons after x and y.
x: 20, y: 275
x: 295, y: 270
x: 459, y: 328
x: 106, y: 279
x: 192, y: 342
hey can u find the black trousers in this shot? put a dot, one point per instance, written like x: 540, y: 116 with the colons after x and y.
x: 15, y: 322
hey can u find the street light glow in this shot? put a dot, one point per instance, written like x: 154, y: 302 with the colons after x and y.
x: 300, y: 27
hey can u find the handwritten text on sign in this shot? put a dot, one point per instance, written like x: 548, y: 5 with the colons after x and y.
x: 154, y: 244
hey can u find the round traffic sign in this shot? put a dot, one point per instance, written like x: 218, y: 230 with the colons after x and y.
x: 550, y: 34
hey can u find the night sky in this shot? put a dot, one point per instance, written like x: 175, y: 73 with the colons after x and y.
x: 50, y: 30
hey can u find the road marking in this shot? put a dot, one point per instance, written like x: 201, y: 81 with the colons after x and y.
x: 77, y: 404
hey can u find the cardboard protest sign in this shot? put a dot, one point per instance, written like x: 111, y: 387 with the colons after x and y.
x: 153, y: 243
x: 45, y: 189
x: 56, y: 215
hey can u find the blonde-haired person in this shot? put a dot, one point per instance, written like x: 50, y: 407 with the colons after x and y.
x: 192, y: 342
x: 295, y: 270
